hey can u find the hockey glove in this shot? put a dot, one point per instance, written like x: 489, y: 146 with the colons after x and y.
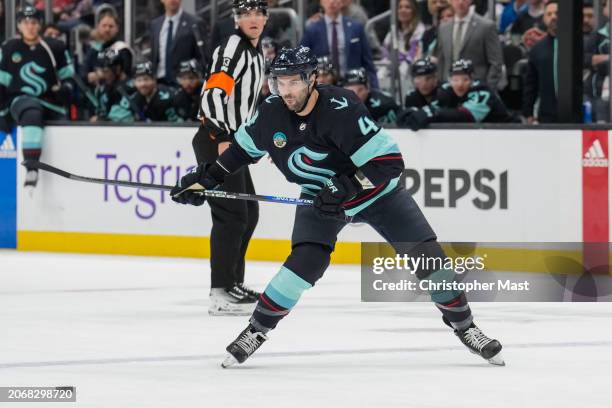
x: 419, y: 119
x: 336, y: 192
x: 204, y: 175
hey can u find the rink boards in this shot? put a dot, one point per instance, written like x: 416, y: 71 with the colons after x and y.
x: 479, y: 185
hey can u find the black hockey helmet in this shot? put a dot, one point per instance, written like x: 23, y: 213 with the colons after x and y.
x: 291, y: 61
x: 357, y: 76
x: 324, y: 65
x: 189, y: 67
x: 241, y: 6
x: 423, y: 66
x: 108, y: 58
x: 462, y: 66
x: 144, y: 68
x: 28, y: 12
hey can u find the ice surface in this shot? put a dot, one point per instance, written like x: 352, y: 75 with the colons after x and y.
x: 134, y: 332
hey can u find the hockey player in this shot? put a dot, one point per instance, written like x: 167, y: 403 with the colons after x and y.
x: 382, y: 107
x: 324, y: 139
x: 326, y: 74
x: 186, y: 100
x: 229, y: 98
x: 113, y: 91
x: 425, y: 81
x: 152, y: 102
x: 33, y: 75
x: 462, y: 99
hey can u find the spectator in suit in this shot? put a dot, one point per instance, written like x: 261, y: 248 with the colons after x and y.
x: 470, y: 36
x: 541, y: 77
x: 343, y: 39
x: 173, y: 41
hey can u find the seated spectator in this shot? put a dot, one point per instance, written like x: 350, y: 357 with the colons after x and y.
x: 173, y: 40
x: 343, y: 39
x: 354, y: 11
x: 532, y: 17
x: 326, y: 74
x: 410, y: 31
x: 425, y: 80
x: 107, y: 33
x: 511, y: 11
x: 152, y: 102
x: 382, y: 107
x: 597, y: 62
x: 470, y: 36
x: 186, y: 100
x: 540, y: 78
x: 429, y: 41
x: 462, y: 99
x: 113, y: 92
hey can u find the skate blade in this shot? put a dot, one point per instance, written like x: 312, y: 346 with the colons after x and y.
x: 229, y: 361
x: 229, y: 312
x: 497, y: 360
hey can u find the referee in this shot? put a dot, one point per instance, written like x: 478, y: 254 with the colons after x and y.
x: 229, y: 98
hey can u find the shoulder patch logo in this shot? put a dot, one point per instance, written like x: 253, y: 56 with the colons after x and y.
x: 279, y: 139
x: 16, y: 57
x: 341, y: 103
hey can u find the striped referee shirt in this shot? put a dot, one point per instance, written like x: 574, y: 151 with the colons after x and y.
x: 231, y: 92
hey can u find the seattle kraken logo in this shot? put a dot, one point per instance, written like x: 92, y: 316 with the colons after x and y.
x: 305, y: 170
x: 29, y: 74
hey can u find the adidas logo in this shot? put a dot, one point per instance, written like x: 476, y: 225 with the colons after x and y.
x: 7, y: 148
x: 595, y: 156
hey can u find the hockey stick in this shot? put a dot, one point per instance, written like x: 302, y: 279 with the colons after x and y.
x: 33, y: 164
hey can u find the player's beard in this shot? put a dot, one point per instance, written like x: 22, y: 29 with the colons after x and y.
x: 298, y: 102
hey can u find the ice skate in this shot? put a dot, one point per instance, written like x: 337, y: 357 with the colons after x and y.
x: 230, y: 302
x: 478, y: 343
x: 244, y: 346
x: 31, y: 180
x: 252, y: 294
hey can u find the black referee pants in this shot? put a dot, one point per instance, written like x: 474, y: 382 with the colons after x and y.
x: 233, y: 220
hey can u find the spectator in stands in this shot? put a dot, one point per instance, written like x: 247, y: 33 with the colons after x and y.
x: 354, y: 11
x: 343, y: 39
x: 540, y: 79
x: 106, y: 33
x: 152, y: 102
x: 597, y: 61
x: 410, y: 32
x: 382, y: 107
x: 186, y: 100
x: 326, y: 74
x: 511, y: 11
x: 462, y: 99
x: 52, y: 31
x: 112, y: 93
x: 588, y: 19
x: 532, y: 17
x: 425, y: 79
x: 269, y: 47
x: 470, y: 36
x: 429, y: 41
x: 173, y: 40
